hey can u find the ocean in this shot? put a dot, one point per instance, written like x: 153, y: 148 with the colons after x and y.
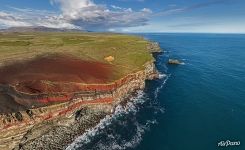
x: 199, y: 105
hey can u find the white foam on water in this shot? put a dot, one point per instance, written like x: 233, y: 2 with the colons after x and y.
x: 161, y: 76
x: 130, y: 107
x: 133, y: 142
x: 158, y: 89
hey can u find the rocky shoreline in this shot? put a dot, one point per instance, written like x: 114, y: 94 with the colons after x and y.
x: 60, y: 136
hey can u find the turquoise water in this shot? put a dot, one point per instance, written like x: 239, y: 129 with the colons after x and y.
x: 195, y: 107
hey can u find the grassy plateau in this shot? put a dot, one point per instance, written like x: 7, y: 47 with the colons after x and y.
x: 129, y: 53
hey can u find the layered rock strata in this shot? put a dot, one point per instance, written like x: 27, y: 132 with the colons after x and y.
x: 43, y: 126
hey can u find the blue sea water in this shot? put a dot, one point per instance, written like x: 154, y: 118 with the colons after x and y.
x: 196, y: 106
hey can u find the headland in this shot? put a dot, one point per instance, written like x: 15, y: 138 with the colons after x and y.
x: 55, y: 86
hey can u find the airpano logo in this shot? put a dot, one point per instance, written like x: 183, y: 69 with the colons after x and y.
x: 228, y: 143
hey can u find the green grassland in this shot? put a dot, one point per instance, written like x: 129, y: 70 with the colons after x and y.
x: 130, y: 52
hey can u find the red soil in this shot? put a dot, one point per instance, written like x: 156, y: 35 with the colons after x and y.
x: 32, y: 76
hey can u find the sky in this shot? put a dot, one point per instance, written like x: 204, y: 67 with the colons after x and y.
x: 198, y: 16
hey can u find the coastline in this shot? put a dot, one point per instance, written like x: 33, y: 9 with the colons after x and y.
x: 60, y: 131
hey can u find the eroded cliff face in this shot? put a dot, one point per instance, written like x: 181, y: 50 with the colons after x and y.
x: 57, y: 125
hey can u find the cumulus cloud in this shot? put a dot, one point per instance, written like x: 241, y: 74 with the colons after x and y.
x: 80, y: 14
x: 87, y: 14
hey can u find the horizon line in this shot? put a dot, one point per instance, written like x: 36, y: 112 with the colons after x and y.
x: 184, y: 32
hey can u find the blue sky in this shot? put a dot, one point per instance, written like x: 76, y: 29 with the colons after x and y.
x: 215, y: 16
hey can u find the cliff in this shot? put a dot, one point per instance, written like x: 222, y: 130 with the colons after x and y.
x: 48, y: 101
x: 28, y: 129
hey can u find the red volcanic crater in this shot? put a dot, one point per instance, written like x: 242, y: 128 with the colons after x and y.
x: 48, y: 80
x: 37, y: 76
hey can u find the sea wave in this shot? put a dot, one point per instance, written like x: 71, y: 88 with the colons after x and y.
x: 161, y: 76
x: 108, y: 134
x: 163, y: 82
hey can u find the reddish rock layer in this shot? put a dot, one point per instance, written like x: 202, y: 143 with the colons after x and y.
x: 15, y: 100
x: 58, y: 113
x: 48, y: 80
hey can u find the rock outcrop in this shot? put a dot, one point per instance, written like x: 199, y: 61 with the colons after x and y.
x: 175, y: 62
x: 154, y: 47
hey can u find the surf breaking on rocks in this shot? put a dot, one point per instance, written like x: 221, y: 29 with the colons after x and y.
x: 118, y: 131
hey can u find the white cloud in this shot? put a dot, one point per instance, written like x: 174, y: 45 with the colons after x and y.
x: 10, y: 20
x: 117, y: 7
x: 83, y: 14
x: 71, y: 8
x: 29, y: 17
